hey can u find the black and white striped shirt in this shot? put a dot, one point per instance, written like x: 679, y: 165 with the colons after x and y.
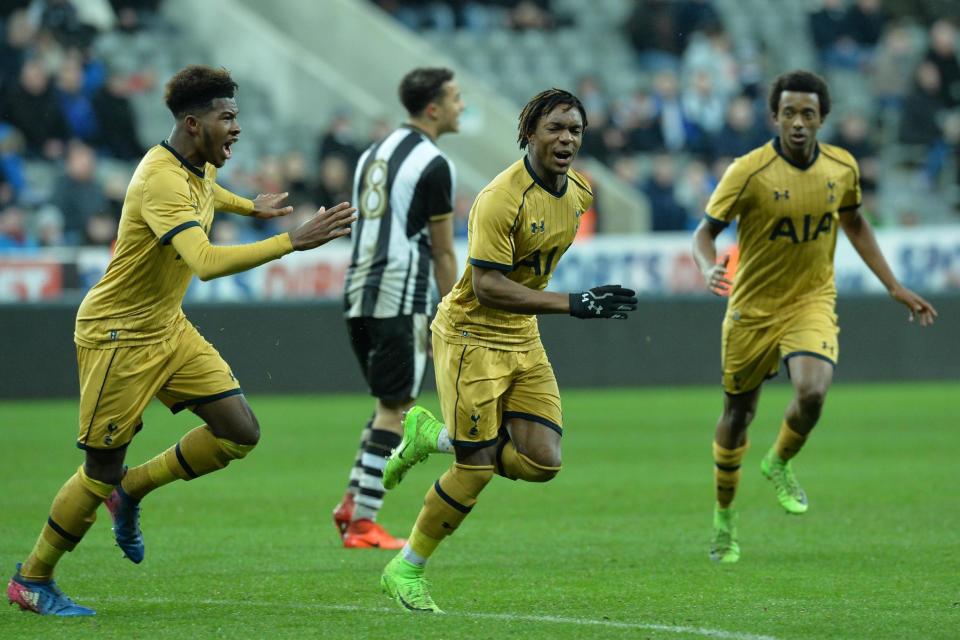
x: 400, y: 185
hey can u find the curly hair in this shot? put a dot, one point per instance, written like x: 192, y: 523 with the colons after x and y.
x: 542, y: 104
x: 804, y: 82
x: 194, y: 88
x: 422, y: 86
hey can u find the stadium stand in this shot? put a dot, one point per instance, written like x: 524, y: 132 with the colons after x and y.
x: 674, y: 90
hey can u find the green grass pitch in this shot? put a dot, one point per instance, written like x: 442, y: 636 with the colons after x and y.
x: 615, y: 547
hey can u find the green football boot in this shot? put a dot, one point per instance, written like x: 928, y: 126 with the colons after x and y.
x: 403, y: 582
x: 791, y: 496
x: 420, y: 432
x: 724, y: 548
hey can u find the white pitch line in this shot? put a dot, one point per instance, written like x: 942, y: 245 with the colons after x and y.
x: 512, y: 617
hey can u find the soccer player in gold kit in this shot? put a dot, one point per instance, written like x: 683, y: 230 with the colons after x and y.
x: 135, y: 343
x: 789, y: 197
x: 497, y: 390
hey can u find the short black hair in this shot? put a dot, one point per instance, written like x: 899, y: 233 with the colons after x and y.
x: 422, y: 86
x: 194, y: 88
x: 804, y: 82
x: 541, y: 104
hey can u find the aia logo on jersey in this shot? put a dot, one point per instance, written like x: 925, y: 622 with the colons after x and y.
x: 777, y: 194
x: 785, y: 228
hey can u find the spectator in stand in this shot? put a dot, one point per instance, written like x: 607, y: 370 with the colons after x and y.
x: 32, y: 108
x: 48, y: 227
x: 919, y: 118
x: 711, y: 51
x: 339, y: 139
x: 77, y: 193
x: 893, y: 66
x: 19, y: 35
x: 637, y: 125
x: 61, y: 19
x: 865, y: 22
x: 703, y: 104
x: 679, y: 133
x: 14, y: 233
x: 943, y: 54
x: 334, y: 180
x: 595, y: 136
x: 666, y: 214
x: 652, y: 30
x: 742, y: 132
x: 297, y: 181
x: 693, y: 16
x: 116, y: 121
x: 853, y: 134
x: 75, y: 104
x: 829, y: 27
x: 693, y: 191
x: 131, y: 14
x: 100, y: 230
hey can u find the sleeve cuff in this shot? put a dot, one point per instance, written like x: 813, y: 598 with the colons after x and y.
x: 486, y: 264
x: 716, y: 221
x: 285, y: 244
x: 168, y: 236
x: 441, y: 216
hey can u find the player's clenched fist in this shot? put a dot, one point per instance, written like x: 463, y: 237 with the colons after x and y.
x: 326, y: 225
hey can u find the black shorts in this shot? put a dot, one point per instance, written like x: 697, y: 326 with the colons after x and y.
x: 392, y: 354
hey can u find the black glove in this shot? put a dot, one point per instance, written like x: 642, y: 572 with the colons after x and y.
x: 608, y: 301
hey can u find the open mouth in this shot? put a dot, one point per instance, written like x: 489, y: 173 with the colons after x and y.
x: 798, y: 138
x: 227, y: 151
x: 563, y: 157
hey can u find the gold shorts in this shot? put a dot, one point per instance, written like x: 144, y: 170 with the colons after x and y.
x: 752, y: 354
x: 117, y: 384
x: 481, y: 388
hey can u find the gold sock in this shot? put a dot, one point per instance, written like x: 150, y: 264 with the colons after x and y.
x: 73, y: 512
x: 422, y: 544
x: 514, y: 465
x: 198, y: 453
x: 450, y: 499
x: 789, y: 442
x: 726, y: 472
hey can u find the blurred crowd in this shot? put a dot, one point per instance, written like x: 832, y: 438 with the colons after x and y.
x: 704, y: 102
x: 69, y: 132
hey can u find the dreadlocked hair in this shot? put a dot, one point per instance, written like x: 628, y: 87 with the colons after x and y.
x: 194, y: 88
x: 541, y: 104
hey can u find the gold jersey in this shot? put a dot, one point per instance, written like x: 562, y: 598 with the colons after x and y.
x: 521, y: 227
x: 138, y: 299
x: 787, y: 219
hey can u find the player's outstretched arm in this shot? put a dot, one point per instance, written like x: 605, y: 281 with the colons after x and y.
x: 705, y: 253
x: 861, y: 235
x: 209, y: 261
x: 496, y: 291
x: 325, y: 226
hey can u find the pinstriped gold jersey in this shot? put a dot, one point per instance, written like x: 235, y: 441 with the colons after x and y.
x: 787, y: 227
x: 520, y: 227
x: 138, y: 299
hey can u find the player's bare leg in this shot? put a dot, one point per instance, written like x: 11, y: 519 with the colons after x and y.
x: 811, y: 378
x: 528, y: 451
x: 729, y: 448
